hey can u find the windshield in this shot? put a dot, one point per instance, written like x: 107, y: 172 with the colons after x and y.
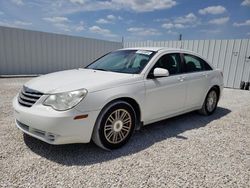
x: 124, y: 61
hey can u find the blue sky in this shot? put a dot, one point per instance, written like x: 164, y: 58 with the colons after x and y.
x: 135, y: 20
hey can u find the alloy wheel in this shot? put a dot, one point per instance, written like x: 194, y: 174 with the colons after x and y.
x: 117, y: 126
x: 211, y: 100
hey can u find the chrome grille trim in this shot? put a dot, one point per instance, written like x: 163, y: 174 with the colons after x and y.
x: 32, y: 95
x: 27, y: 97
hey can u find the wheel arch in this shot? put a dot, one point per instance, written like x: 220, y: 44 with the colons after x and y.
x: 130, y: 101
x: 217, y: 89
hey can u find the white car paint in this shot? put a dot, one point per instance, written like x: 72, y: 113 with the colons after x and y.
x: 70, y: 80
x: 157, y: 98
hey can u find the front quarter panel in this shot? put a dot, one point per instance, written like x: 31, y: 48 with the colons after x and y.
x: 98, y: 99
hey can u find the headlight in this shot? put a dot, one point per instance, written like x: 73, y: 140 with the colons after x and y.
x: 66, y: 100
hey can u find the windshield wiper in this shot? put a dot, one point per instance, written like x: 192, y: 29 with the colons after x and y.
x: 101, y: 69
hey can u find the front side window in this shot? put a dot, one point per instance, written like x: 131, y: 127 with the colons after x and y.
x: 171, y: 62
x: 195, y: 64
x: 124, y: 61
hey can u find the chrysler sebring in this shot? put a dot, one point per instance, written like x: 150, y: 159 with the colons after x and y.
x: 115, y: 95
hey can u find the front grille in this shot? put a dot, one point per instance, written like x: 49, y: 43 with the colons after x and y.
x: 27, y: 97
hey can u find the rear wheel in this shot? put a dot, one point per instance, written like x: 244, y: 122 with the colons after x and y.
x: 242, y: 85
x: 247, y: 85
x: 115, y: 125
x: 210, y: 103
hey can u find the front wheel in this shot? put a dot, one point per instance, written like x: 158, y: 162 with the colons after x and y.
x: 210, y: 103
x: 115, y: 125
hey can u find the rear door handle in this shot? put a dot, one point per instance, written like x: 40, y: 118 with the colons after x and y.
x: 204, y: 74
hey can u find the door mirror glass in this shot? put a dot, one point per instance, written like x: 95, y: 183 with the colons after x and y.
x: 160, y: 72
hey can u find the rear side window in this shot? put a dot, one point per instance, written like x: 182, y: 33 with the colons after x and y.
x: 195, y: 64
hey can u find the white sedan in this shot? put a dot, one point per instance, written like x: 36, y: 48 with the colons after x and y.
x: 116, y: 94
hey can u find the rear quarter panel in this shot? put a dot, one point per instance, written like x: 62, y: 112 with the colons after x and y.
x: 215, y: 78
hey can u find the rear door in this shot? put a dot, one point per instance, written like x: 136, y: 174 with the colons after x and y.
x: 197, y: 73
x: 165, y: 95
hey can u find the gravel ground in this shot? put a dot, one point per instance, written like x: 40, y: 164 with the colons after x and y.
x: 186, y: 151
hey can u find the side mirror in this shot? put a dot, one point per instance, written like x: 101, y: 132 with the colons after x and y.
x: 160, y: 72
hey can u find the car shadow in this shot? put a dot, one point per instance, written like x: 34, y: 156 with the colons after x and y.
x: 86, y: 154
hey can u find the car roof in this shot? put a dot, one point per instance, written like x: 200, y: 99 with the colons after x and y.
x: 163, y: 49
x: 155, y: 49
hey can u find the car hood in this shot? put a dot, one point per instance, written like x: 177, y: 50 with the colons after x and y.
x: 70, y: 80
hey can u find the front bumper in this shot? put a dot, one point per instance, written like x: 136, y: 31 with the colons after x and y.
x: 54, y: 127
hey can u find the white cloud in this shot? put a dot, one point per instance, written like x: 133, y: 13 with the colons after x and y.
x: 103, y: 21
x: 17, y: 23
x: 189, y: 20
x: 56, y: 19
x: 143, y: 31
x: 162, y: 20
x: 173, y: 25
x: 211, y: 31
x: 172, y: 32
x: 81, y: 2
x: 101, y: 31
x: 2, y: 23
x: 246, y: 23
x: 109, y: 19
x: 213, y: 10
x: 70, y: 27
x: 144, y: 6
x: 168, y: 25
x: 17, y: 2
x: 179, y: 26
x: 219, y: 21
x: 22, y: 23
x: 63, y: 27
x: 245, y: 3
x: 80, y: 27
x: 130, y: 5
x: 64, y: 24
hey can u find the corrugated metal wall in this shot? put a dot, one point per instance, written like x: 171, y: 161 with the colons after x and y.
x: 33, y: 52
x: 231, y: 56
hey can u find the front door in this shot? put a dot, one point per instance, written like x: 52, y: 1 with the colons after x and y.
x: 165, y: 95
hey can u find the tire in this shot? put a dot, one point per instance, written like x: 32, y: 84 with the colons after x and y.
x: 247, y: 86
x: 114, y: 126
x: 210, y: 103
x: 242, y: 85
